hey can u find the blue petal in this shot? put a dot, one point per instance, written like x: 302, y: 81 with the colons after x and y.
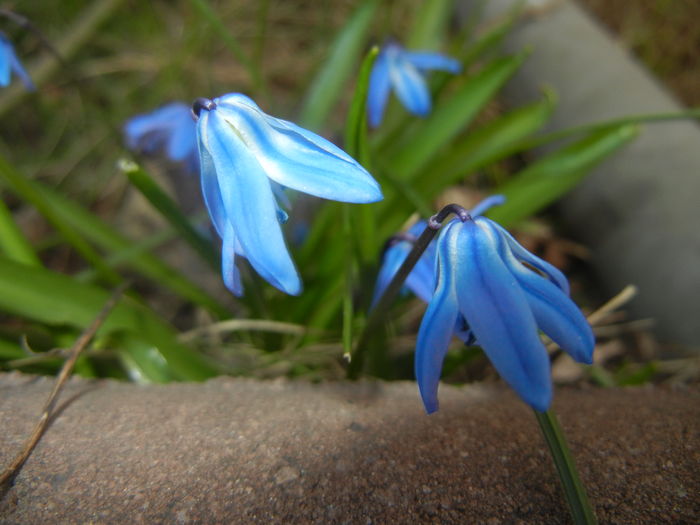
x: 436, y: 328
x: 391, y: 262
x: 210, y: 183
x: 421, y: 279
x: 298, y: 158
x: 409, y: 85
x: 498, y: 313
x: 523, y: 255
x: 5, y: 51
x: 248, y: 201
x: 484, y: 205
x: 169, y: 126
x: 281, y: 196
x: 229, y: 271
x: 183, y: 138
x: 427, y: 61
x: 19, y: 70
x: 9, y: 63
x: 378, y: 92
x: 555, y: 313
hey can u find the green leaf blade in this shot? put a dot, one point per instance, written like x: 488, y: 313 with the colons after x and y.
x: 55, y: 299
x: 546, y: 180
x: 450, y: 117
x: 342, y: 57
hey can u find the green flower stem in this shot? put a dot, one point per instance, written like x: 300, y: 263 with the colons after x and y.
x: 347, y: 294
x: 574, y: 491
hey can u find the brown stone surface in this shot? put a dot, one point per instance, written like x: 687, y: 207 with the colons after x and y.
x: 242, y: 451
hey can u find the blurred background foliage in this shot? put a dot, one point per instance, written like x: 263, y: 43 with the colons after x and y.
x: 77, y: 219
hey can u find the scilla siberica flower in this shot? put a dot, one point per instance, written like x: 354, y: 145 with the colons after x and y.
x: 171, y: 128
x: 405, y: 72
x: 483, y: 281
x: 421, y: 279
x: 9, y: 63
x: 243, y: 152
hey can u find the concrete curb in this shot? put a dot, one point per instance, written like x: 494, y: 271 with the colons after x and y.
x: 638, y: 212
x: 246, y: 451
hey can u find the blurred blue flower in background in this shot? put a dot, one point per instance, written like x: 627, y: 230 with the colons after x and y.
x: 405, y: 72
x: 243, y: 152
x: 9, y: 63
x: 171, y: 128
x: 484, y: 284
x: 421, y: 280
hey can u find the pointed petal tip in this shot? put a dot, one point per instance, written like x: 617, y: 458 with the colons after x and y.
x: 430, y: 404
x: 238, y: 292
x: 291, y: 284
x: 540, y: 401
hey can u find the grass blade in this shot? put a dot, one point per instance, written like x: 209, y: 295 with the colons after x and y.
x: 110, y: 240
x: 12, y: 240
x: 342, y: 57
x: 23, y: 188
x: 429, y: 24
x: 171, y: 212
x: 450, y: 117
x: 356, y: 125
x: 494, y: 141
x: 55, y: 299
x: 546, y: 180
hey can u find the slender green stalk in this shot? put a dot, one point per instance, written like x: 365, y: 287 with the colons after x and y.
x: 574, y: 491
x: 347, y: 295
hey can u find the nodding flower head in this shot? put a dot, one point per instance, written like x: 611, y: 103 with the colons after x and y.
x: 501, y: 295
x: 421, y: 279
x: 245, y: 155
x: 169, y: 128
x: 9, y: 63
x: 404, y: 71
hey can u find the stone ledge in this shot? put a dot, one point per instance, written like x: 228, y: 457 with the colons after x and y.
x: 243, y: 451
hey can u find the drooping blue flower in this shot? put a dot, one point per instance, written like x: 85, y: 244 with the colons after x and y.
x: 9, y: 63
x: 421, y: 279
x: 502, y: 294
x: 243, y: 153
x: 171, y: 128
x: 405, y: 72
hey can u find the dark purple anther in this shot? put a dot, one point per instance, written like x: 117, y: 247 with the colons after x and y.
x: 199, y: 104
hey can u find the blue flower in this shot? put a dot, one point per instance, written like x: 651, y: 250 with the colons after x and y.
x: 169, y: 127
x: 502, y: 295
x: 405, y: 72
x: 9, y: 63
x: 421, y: 279
x: 243, y: 153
